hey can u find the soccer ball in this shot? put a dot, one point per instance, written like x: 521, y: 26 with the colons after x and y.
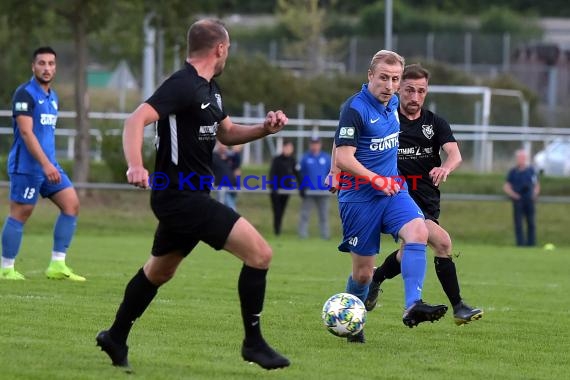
x: 344, y: 314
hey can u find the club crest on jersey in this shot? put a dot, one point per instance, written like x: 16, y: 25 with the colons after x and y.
x: 427, y: 130
x: 21, y: 106
x: 346, y: 133
x: 219, y: 100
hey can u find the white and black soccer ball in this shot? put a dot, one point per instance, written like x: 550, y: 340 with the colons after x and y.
x: 344, y: 314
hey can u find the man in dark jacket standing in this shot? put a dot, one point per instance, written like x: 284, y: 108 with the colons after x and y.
x: 283, y: 173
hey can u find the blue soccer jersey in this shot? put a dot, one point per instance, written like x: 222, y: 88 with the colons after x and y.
x: 373, y: 129
x: 31, y: 100
x: 314, y: 171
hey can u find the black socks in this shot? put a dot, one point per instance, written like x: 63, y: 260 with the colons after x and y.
x: 251, y: 289
x: 138, y: 295
x: 447, y: 275
x: 444, y: 268
x: 390, y: 268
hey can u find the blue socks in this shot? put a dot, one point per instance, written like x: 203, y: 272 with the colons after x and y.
x: 63, y: 232
x: 359, y: 290
x: 413, y: 271
x: 11, y: 237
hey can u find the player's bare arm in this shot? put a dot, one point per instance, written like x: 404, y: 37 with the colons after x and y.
x: 230, y: 133
x: 347, y: 162
x: 332, y: 179
x: 26, y: 128
x: 439, y: 174
x: 133, y: 135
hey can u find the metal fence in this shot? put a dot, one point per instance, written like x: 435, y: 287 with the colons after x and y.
x: 485, y: 148
x: 484, y: 55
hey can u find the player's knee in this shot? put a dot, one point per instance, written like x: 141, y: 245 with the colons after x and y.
x: 362, y: 274
x: 262, y: 256
x: 158, y: 273
x: 21, y: 212
x: 443, y: 249
x: 442, y: 246
x: 417, y: 233
x: 362, y: 277
x: 75, y: 210
x: 71, y: 208
x: 22, y: 215
x: 159, y: 278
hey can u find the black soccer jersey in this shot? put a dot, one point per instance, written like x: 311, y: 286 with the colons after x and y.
x: 190, y: 111
x: 420, y: 142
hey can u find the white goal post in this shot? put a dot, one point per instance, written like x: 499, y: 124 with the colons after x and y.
x: 484, y: 147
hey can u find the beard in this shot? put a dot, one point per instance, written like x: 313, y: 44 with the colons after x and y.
x: 41, y: 79
x: 411, y: 108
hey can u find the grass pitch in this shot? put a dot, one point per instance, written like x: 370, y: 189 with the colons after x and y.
x: 193, y: 328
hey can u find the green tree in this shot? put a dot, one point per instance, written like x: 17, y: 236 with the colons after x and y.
x: 500, y: 19
x: 82, y: 17
x: 18, y: 20
x: 122, y: 37
x: 255, y: 80
x: 306, y: 21
x: 407, y: 19
x: 39, y: 22
x: 557, y: 8
x: 82, y: 21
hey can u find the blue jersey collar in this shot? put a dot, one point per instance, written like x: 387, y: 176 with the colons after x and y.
x: 390, y: 107
x: 38, y: 87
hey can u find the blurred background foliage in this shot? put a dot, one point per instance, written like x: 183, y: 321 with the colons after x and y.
x: 115, y: 27
x: 114, y: 34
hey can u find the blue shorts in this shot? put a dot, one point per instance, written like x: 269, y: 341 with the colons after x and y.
x: 24, y: 188
x: 363, y: 222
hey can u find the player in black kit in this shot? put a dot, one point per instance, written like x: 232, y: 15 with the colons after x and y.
x: 189, y: 111
x: 422, y: 135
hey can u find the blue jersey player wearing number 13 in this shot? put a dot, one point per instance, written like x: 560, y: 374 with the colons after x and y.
x: 34, y: 171
x: 371, y: 198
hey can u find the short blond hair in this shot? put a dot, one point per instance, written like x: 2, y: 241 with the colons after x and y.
x: 387, y: 56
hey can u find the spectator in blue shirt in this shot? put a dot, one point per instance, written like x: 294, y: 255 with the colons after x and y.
x: 522, y: 187
x: 315, y: 166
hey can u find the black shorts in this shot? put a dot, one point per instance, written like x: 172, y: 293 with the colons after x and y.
x: 430, y: 207
x: 186, y: 218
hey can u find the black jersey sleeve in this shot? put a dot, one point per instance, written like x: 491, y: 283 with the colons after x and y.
x: 349, y: 126
x: 442, y: 130
x: 22, y: 103
x: 172, y: 95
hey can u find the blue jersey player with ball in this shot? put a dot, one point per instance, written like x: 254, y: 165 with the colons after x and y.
x: 372, y: 197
